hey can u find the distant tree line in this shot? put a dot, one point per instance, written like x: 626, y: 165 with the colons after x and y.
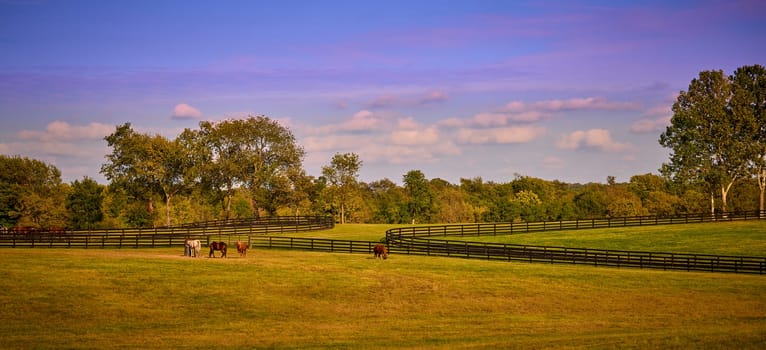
x: 245, y: 168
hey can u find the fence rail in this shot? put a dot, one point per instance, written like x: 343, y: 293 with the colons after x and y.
x: 315, y: 244
x: 228, y: 231
x: 418, y: 240
x: 507, y: 228
x: 596, y: 257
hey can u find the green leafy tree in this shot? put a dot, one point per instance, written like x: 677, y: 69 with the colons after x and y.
x: 453, y: 206
x: 420, y: 198
x: 388, y: 202
x: 31, y: 193
x: 84, y: 204
x: 257, y: 153
x: 748, y: 102
x: 341, y: 175
x: 478, y: 197
x: 708, y: 143
x: 592, y: 202
x: 145, y: 164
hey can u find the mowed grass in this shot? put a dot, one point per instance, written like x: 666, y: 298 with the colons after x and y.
x: 156, y: 298
x: 746, y: 238
x: 718, y: 238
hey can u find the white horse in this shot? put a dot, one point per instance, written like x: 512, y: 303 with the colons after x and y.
x: 192, y: 247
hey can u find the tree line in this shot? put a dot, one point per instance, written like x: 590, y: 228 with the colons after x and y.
x: 245, y: 168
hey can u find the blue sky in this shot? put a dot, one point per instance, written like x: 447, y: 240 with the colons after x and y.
x: 560, y: 90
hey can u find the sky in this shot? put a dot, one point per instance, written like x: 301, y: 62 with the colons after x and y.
x: 573, y: 91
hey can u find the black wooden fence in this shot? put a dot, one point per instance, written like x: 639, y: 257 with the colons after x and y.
x: 419, y: 240
x: 228, y: 231
x: 566, y: 255
x: 508, y: 228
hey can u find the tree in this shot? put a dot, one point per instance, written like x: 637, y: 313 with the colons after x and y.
x: 707, y: 141
x: 453, y: 206
x: 476, y: 191
x: 388, y: 201
x: 341, y: 176
x: 257, y: 153
x: 84, y: 203
x: 592, y: 202
x: 748, y: 102
x: 146, y: 164
x: 31, y: 193
x: 420, y: 197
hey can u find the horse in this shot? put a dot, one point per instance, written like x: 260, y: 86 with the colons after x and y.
x: 217, y: 246
x: 242, y: 248
x: 380, y: 251
x: 192, y: 247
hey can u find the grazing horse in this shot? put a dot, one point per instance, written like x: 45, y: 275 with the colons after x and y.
x: 192, y: 247
x: 380, y: 251
x: 217, y: 246
x: 242, y: 248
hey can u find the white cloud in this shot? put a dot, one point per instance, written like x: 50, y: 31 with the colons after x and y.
x: 655, y: 120
x: 434, y: 96
x: 529, y: 112
x: 506, y: 135
x: 427, y: 136
x: 558, y: 105
x: 594, y: 138
x: 184, y: 111
x: 63, y: 131
x: 644, y: 126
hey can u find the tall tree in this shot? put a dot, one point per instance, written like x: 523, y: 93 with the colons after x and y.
x: 257, y: 153
x: 342, y: 174
x: 388, y: 201
x: 420, y: 197
x: 748, y: 103
x: 705, y: 138
x: 31, y: 193
x: 84, y: 203
x: 145, y: 165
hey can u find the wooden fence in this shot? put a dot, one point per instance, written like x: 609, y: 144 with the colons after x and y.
x: 508, y: 228
x: 566, y: 255
x: 315, y: 244
x: 227, y: 231
x: 419, y: 240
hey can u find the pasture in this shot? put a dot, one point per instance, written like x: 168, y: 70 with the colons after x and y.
x: 157, y: 298
x: 746, y: 238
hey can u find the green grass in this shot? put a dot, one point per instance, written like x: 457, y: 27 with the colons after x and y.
x: 721, y: 238
x: 724, y: 238
x: 357, y: 232
x: 156, y: 298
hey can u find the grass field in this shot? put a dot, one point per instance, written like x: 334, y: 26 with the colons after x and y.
x: 722, y: 238
x: 156, y: 298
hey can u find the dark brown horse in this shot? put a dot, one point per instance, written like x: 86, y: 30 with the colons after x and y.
x: 217, y: 246
x: 380, y: 251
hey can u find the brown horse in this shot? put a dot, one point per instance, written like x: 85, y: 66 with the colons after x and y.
x: 242, y: 248
x: 380, y: 251
x: 217, y: 246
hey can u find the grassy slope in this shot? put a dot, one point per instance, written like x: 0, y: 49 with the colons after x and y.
x: 58, y: 298
x: 724, y: 238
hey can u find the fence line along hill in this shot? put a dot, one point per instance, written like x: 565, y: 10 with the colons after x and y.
x: 430, y: 240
